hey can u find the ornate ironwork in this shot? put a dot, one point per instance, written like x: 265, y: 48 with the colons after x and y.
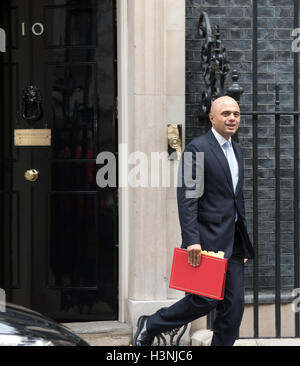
x: 175, y: 335
x: 235, y: 90
x: 214, y: 65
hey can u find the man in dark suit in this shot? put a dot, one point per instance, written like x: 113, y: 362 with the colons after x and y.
x: 213, y: 219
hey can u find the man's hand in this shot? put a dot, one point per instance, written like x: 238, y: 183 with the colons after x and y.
x: 194, y: 254
x: 245, y: 260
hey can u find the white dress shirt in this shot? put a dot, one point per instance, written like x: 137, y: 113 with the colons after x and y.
x: 221, y: 140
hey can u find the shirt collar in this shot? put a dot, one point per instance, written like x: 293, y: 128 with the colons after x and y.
x: 221, y: 140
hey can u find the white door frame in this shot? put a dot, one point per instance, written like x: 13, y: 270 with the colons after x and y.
x: 123, y: 138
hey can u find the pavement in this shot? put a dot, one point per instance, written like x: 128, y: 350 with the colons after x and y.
x: 114, y: 333
x: 203, y: 338
x: 103, y: 333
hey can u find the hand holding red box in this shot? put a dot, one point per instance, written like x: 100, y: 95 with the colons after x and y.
x: 208, y: 279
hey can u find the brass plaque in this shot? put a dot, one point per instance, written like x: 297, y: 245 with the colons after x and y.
x: 33, y: 137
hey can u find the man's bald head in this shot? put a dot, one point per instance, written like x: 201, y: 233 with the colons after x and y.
x: 225, y: 100
x: 225, y: 116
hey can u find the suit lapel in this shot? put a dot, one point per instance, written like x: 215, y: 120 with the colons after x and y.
x: 239, y: 158
x: 221, y: 158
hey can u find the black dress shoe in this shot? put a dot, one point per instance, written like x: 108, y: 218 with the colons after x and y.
x: 142, y: 338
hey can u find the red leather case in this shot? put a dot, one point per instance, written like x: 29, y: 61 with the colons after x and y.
x: 208, y: 279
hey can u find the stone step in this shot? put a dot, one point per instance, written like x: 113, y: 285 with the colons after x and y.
x: 203, y: 338
x: 115, y: 333
x: 103, y: 333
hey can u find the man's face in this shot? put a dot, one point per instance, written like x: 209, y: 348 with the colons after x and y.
x: 225, y: 116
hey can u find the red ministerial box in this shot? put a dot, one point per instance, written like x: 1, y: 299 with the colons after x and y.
x: 208, y: 279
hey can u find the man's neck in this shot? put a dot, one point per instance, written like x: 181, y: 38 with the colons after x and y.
x: 228, y: 138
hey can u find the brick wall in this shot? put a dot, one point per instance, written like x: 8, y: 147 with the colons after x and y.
x: 275, y: 64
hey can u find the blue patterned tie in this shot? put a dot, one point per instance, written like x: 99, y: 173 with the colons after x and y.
x: 230, y: 159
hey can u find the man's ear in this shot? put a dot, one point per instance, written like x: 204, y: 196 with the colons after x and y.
x: 211, y: 117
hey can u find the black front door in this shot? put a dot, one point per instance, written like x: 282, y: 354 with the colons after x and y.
x: 58, y: 242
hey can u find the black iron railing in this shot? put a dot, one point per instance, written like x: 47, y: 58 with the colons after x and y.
x: 255, y: 114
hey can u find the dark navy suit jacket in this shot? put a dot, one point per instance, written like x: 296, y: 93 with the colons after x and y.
x: 209, y: 220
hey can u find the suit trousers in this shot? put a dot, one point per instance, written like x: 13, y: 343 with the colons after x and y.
x: 229, y: 311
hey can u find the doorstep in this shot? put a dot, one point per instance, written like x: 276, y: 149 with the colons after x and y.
x: 103, y: 333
